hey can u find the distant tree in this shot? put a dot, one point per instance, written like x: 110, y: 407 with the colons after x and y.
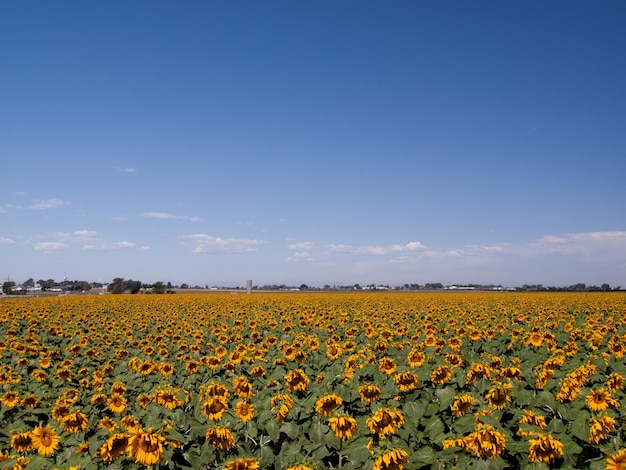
x: 29, y: 283
x: 7, y: 287
x: 117, y: 286
x: 82, y: 286
x: 169, y: 285
x: 303, y: 287
x: 132, y: 286
x: 158, y: 287
x: 46, y: 285
x: 184, y: 286
x: 605, y: 287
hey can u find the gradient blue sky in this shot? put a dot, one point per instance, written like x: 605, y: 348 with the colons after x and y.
x: 315, y: 142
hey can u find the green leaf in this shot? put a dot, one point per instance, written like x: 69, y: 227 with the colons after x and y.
x: 434, y: 430
x: 414, y: 409
x: 580, y: 426
x: 424, y: 456
x: 446, y: 397
x: 465, y: 424
x: 290, y: 429
x: 272, y: 428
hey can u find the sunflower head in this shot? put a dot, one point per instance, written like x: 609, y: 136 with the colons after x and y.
x: 545, y: 449
x: 343, y: 426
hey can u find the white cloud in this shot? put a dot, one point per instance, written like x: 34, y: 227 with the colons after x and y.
x: 301, y: 246
x: 50, y: 247
x: 43, y: 204
x: 123, y: 169
x: 6, y: 241
x: 106, y: 246
x: 599, y: 245
x: 203, y: 243
x: 300, y: 255
x: 3, y: 210
x: 376, y: 250
x: 167, y: 216
x: 85, y: 239
x: 144, y: 248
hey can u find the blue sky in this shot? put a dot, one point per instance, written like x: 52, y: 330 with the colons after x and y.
x: 313, y: 142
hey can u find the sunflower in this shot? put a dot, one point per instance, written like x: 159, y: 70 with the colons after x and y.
x: 257, y: 371
x: 60, y: 411
x: 167, y: 398
x: 616, y: 461
x: 30, y: 401
x: 343, y: 426
x: 455, y: 360
x: 441, y: 375
x: 146, y: 447
x: 244, y: 411
x: 533, y: 419
x: 416, y: 358
x: 600, y: 429
x: 498, y: 395
x: 545, y: 449
x: 615, y: 382
x: 512, y: 373
x: 300, y: 466
x: 387, y: 365
x: 116, y: 403
x: 326, y: 405
x: 369, y: 393
x: 114, y: 446
x: 599, y: 400
x: 10, y: 399
x: 22, y: 442
x: 214, y: 407
x: 486, y: 441
x: 405, y: 381
x: 280, y: 404
x: 99, y: 399
x: 143, y: 400
x: 118, y: 387
x: 107, y: 423
x: 462, y: 404
x: 215, y: 389
x: 39, y: 375
x: 297, y: 381
x: 74, y: 422
x: 243, y: 464
x: 476, y: 371
x: 333, y: 351
x: 45, y: 440
x: 131, y: 424
x: 392, y: 459
x: 385, y: 421
x: 166, y: 369
x: 220, y: 438
x: 242, y: 387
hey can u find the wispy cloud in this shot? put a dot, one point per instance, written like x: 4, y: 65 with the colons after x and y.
x: 43, y: 204
x: 167, y: 216
x: 123, y: 169
x: 84, y: 239
x: 50, y: 247
x: 203, y: 243
x: 590, y: 246
x: 377, y: 250
x: 108, y: 246
x: 6, y: 241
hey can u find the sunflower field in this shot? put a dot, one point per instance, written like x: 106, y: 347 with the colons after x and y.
x: 313, y: 380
